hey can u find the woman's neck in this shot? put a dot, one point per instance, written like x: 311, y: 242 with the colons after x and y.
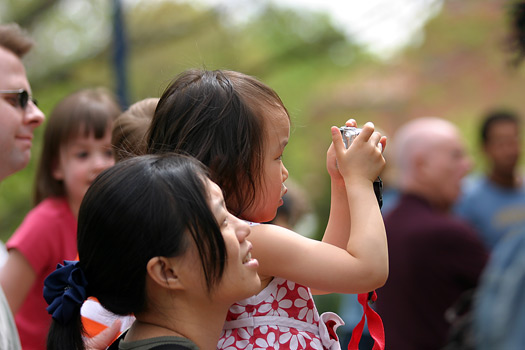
x: 200, y: 325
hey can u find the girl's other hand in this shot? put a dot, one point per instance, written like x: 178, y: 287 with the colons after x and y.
x: 331, y: 160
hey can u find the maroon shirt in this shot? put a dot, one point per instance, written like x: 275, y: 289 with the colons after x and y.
x: 434, y: 257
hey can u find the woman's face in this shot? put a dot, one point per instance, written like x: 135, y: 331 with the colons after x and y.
x: 240, y: 279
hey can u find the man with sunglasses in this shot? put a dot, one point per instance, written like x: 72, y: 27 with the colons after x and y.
x: 19, y: 116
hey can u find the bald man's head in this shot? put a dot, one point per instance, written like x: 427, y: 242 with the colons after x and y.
x: 431, y: 159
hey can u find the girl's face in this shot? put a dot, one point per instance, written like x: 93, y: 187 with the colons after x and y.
x: 269, y: 197
x: 80, y: 161
x: 240, y: 279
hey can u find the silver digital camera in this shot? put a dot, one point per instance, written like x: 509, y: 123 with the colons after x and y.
x: 349, y: 133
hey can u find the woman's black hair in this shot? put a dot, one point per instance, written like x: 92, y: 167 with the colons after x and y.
x: 218, y: 118
x: 141, y: 208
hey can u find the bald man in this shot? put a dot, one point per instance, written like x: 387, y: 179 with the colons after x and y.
x: 434, y: 257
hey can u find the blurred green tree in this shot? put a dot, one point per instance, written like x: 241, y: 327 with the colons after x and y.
x: 290, y: 50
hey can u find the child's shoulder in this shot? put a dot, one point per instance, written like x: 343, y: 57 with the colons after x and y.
x: 48, y: 212
x: 52, y: 207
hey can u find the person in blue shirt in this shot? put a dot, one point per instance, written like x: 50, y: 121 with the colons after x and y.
x: 494, y: 203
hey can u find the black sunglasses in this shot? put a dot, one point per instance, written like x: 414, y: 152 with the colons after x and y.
x: 23, y: 97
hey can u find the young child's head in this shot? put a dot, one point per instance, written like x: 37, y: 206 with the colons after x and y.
x: 235, y: 125
x: 77, y: 145
x: 150, y: 219
x: 129, y: 131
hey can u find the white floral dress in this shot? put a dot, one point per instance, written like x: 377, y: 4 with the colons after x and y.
x: 281, y: 316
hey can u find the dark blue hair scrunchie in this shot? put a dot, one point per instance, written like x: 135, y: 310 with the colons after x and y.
x: 65, y: 291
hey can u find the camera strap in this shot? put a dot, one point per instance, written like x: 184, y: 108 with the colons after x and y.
x: 375, y: 324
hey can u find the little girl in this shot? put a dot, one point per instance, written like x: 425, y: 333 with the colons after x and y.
x: 155, y: 240
x: 239, y: 127
x: 76, y: 148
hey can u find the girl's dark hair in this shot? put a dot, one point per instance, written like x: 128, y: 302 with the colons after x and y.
x: 217, y: 117
x: 141, y: 208
x: 79, y: 114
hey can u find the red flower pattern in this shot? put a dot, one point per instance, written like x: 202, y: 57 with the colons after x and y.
x: 283, y: 316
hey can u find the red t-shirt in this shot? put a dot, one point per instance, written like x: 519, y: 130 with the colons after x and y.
x: 46, y: 237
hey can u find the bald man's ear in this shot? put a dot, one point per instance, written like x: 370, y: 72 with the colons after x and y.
x: 163, y: 271
x: 420, y: 162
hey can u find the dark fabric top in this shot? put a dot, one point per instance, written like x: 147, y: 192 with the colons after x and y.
x: 157, y: 343
x: 434, y: 257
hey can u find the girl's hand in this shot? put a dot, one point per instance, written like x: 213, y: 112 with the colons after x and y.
x: 331, y: 160
x: 363, y: 159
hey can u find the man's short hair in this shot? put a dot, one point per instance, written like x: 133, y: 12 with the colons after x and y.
x: 494, y: 117
x: 15, y: 39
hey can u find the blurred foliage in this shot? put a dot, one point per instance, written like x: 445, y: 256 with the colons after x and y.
x: 295, y: 53
x: 457, y: 71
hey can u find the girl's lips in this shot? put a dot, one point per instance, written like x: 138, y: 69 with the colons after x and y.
x: 283, y: 190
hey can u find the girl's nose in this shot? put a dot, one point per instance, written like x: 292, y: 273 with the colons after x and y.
x: 285, y: 173
x: 102, y: 162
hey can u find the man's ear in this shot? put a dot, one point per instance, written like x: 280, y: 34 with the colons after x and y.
x: 163, y: 271
x: 420, y: 163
